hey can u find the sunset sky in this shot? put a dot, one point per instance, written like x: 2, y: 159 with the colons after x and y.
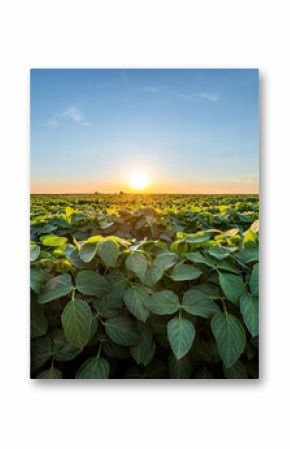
x: 187, y: 131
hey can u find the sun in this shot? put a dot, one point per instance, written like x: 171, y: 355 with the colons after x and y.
x: 139, y: 180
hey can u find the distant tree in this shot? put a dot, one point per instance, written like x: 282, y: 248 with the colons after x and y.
x: 96, y: 193
x: 121, y: 192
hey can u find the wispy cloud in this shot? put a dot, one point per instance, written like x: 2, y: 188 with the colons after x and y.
x: 199, y: 96
x: 151, y: 89
x: 72, y: 114
x: 250, y: 179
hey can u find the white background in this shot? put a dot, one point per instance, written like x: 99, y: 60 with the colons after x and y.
x: 151, y: 33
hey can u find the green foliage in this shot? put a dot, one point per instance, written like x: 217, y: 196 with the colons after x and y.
x: 56, y: 288
x: 144, y: 286
x: 230, y: 337
x: 94, y: 368
x: 181, y: 334
x: 77, y: 321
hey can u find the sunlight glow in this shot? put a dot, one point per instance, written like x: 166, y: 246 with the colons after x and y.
x: 139, y: 180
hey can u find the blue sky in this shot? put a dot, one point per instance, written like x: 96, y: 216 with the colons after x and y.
x: 189, y: 130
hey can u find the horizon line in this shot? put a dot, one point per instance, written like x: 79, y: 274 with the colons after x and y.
x: 144, y: 193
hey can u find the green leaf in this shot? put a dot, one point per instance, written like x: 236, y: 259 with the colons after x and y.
x: 41, y: 351
x: 165, y: 260
x: 53, y: 240
x: 220, y: 252
x: 180, y: 334
x: 137, y: 263
x: 134, y: 298
x: 236, y: 371
x: 251, y: 239
x: 197, y: 303
x: 197, y: 238
x: 37, y: 279
x: 165, y: 302
x: 153, y: 275
x: 38, y: 321
x: 179, y: 369
x: 56, y: 288
x: 52, y: 373
x: 230, y: 337
x: 108, y: 251
x: 122, y: 330
x: 143, y: 352
x: 91, y: 283
x: 183, y: 272
x: 254, y: 280
x: 77, y: 321
x: 197, y: 257
x: 232, y: 286
x: 88, y: 251
x: 250, y: 311
x: 34, y: 252
x: 94, y: 368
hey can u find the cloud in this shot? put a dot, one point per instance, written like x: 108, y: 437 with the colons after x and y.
x: 199, y: 96
x: 246, y: 179
x: 151, y: 89
x: 73, y: 113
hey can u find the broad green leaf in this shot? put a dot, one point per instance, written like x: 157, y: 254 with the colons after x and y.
x: 41, y: 351
x: 197, y: 238
x: 251, y: 239
x: 220, y: 252
x: 66, y: 353
x: 153, y: 275
x: 230, y: 337
x: 56, y: 288
x: 179, y: 369
x: 183, y: 272
x: 77, y: 321
x: 181, y: 333
x: 225, y: 265
x: 165, y: 302
x: 52, y: 373
x: 197, y: 257
x: 108, y: 251
x: 197, y: 303
x: 122, y: 330
x: 250, y: 311
x: 94, y: 368
x: 254, y: 280
x: 137, y: 263
x: 115, y: 351
x: 248, y: 255
x: 92, y: 283
x: 165, y: 260
x: 143, y: 352
x: 37, y: 279
x: 76, y: 261
x: 236, y: 371
x: 135, y: 298
x: 34, y: 252
x: 233, y: 286
x: 38, y: 320
x: 53, y: 240
x: 88, y: 251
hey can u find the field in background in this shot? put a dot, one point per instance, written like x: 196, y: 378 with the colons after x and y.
x: 144, y: 286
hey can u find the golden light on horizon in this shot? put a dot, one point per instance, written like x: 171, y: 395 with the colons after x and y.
x: 139, y: 180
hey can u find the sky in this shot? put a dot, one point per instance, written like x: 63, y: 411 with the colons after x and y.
x: 188, y: 130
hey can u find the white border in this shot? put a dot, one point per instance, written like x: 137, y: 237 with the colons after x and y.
x: 144, y: 34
